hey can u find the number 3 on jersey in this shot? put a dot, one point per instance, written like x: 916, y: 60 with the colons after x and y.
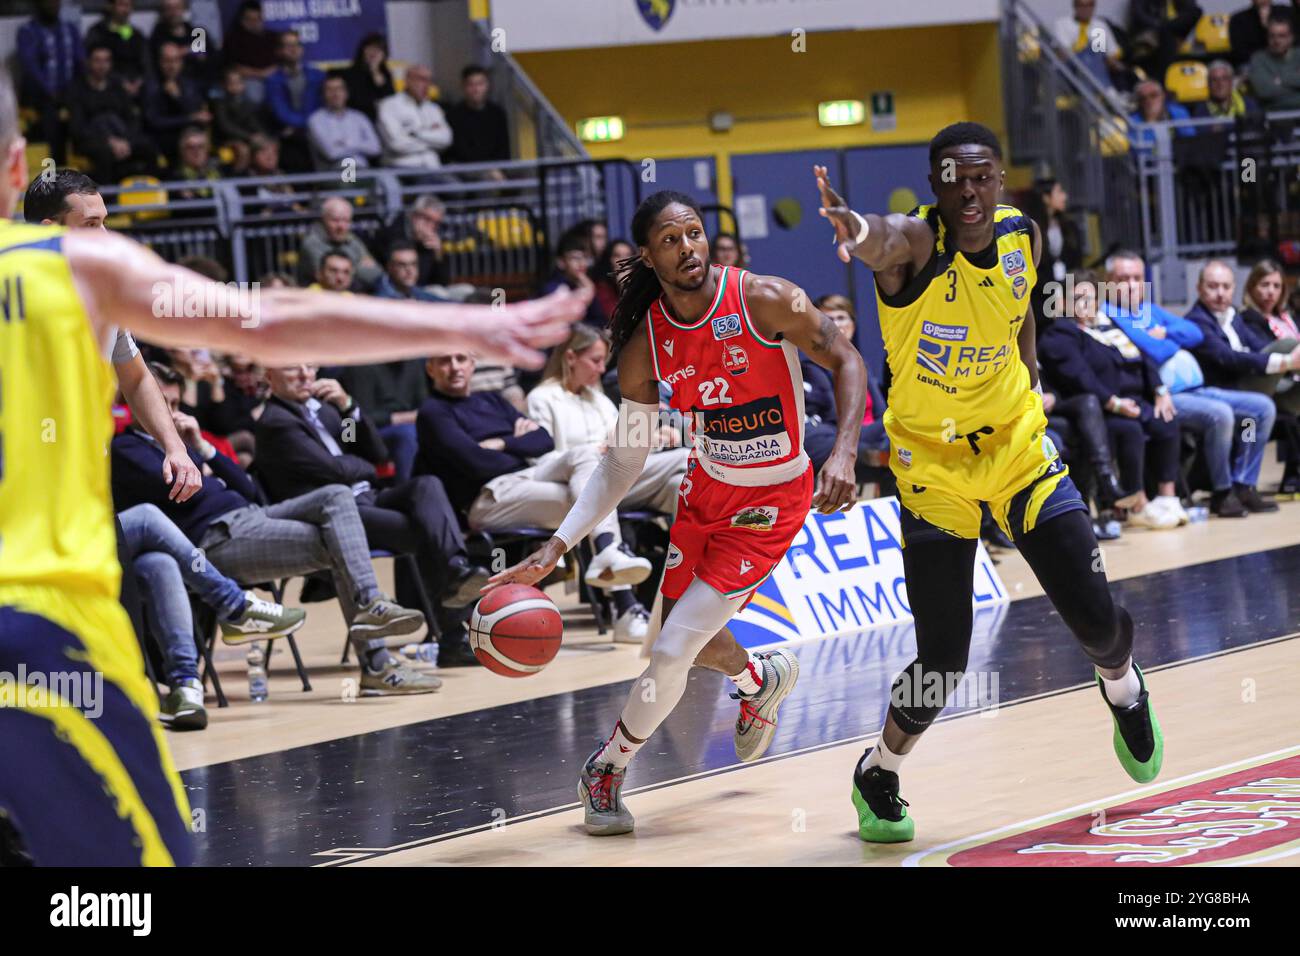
x: 952, y: 286
x: 723, y: 388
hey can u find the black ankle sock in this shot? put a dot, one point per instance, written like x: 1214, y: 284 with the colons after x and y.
x: 623, y: 599
x: 603, y: 541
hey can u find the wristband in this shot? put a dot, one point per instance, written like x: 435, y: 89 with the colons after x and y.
x: 863, y: 231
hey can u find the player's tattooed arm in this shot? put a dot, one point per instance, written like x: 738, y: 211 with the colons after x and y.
x: 781, y: 310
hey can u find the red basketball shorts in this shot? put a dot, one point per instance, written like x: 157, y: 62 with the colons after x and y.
x: 731, y: 537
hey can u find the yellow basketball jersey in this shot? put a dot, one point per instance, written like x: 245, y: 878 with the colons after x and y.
x: 56, y: 387
x: 950, y: 335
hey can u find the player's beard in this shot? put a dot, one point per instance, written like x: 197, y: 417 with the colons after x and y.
x: 689, y: 286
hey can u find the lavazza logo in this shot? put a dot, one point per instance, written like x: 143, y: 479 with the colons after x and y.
x: 130, y: 910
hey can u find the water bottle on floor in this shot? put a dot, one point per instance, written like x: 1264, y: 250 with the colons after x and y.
x: 426, y: 653
x: 256, y: 674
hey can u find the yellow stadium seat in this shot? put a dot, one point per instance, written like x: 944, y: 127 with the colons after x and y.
x: 1188, y: 81
x: 143, y: 191
x: 509, y: 231
x: 1212, y: 33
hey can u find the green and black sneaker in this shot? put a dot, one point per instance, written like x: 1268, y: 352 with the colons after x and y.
x: 1139, y: 744
x: 882, y: 813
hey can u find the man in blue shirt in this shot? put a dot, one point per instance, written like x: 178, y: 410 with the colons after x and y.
x: 293, y: 93
x: 1233, y: 455
x: 50, y: 52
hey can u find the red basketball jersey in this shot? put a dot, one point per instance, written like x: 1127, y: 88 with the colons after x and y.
x: 744, y: 392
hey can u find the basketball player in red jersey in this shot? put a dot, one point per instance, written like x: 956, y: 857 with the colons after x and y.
x: 727, y: 343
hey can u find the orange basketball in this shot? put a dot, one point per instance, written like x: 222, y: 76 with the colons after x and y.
x: 515, y: 630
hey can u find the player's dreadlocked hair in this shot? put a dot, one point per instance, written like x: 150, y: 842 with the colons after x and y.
x: 960, y: 134
x: 638, y: 286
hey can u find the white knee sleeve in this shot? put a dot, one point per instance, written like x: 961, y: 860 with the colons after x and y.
x: 700, y: 614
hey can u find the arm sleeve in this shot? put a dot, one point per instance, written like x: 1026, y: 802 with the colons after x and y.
x: 617, y: 472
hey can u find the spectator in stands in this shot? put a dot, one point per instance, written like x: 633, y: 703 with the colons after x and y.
x: 570, y: 406
x: 1233, y: 354
x: 392, y: 392
x: 335, y: 273
x: 421, y: 225
x: 1225, y: 100
x: 51, y: 57
x: 321, y: 531
x: 401, y: 274
x: 106, y: 122
x: 1248, y: 29
x: 128, y: 45
x: 1262, y: 303
x: 480, y: 128
x: 339, y: 134
x: 264, y: 163
x: 595, y: 233
x: 173, y: 101
x: 572, y: 261
x: 1088, y: 356
x: 312, y: 435
x: 236, y: 120
x: 334, y: 234
x: 226, y: 400
x: 839, y: 309
x: 293, y: 93
x: 1091, y: 41
x: 481, y: 448
x: 603, y: 273
x: 1157, y: 29
x: 369, y: 79
x: 728, y: 250
x: 1062, y: 249
x: 413, y: 128
x: 196, y: 163
x: 251, y: 48
x: 166, y: 563
x: 1274, y: 72
x: 1226, y: 420
x: 1153, y: 107
x: 172, y: 26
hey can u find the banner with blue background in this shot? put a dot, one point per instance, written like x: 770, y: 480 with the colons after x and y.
x: 329, y: 29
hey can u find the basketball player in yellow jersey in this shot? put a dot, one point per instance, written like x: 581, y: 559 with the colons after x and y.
x: 966, y: 425
x: 85, y: 777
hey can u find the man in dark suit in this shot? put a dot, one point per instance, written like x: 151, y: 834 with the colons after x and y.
x: 313, y: 434
x: 1232, y: 353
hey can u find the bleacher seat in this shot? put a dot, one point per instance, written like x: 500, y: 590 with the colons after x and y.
x: 143, y: 191
x: 1188, y: 81
x: 1212, y: 33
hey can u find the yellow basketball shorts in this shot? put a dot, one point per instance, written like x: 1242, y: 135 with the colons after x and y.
x: 87, y: 777
x: 1015, y: 469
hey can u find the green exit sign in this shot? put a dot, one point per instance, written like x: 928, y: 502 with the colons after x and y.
x: 840, y: 112
x: 600, y: 129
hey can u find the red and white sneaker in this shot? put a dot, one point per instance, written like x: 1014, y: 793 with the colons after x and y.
x: 756, y: 725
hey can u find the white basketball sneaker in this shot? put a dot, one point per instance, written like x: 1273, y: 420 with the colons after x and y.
x: 756, y: 725
x: 615, y: 566
x: 600, y: 790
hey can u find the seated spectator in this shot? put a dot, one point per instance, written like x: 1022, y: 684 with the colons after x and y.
x: 50, y: 55
x: 873, y: 448
x: 594, y: 233
x: 1225, y: 100
x: 727, y: 250
x: 480, y: 129
x: 227, y: 400
x: 251, y: 48
x: 422, y: 226
x: 1062, y: 242
x: 401, y: 270
x: 1088, y: 356
x: 481, y: 447
x: 293, y: 93
x: 1233, y: 455
x: 572, y: 260
x: 173, y: 27
x: 1090, y: 40
x: 173, y: 101
x: 321, y: 531
x: 412, y: 127
x: 264, y: 163
x: 335, y: 273
x: 603, y: 273
x: 1262, y: 303
x: 106, y: 122
x: 1248, y: 30
x: 1274, y: 72
x: 368, y: 78
x: 128, y: 45
x: 194, y: 163
x: 1153, y: 107
x: 304, y: 447
x: 333, y: 233
x: 164, y: 563
x: 236, y: 120
x: 338, y: 133
x: 1077, y: 428
x: 571, y: 407
x: 1157, y: 29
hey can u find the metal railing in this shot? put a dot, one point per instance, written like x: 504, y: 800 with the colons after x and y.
x: 1065, y: 124
x: 500, y: 227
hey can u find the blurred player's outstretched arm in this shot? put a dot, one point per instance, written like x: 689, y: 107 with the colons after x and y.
x: 622, y: 464
x: 781, y: 309
x: 125, y: 284
x: 890, y: 242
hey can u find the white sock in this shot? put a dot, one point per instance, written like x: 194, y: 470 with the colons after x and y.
x: 1123, y: 692
x: 750, y: 679
x: 881, y: 756
x: 619, y: 749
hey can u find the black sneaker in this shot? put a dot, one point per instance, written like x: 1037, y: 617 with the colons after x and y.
x: 464, y: 582
x: 1138, y: 741
x: 1252, y: 502
x: 457, y: 655
x: 1226, y: 504
x: 882, y: 813
x: 1290, y: 485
